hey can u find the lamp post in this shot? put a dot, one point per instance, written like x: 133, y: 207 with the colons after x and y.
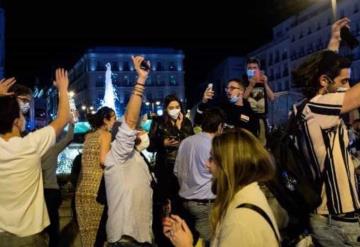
x: 86, y: 110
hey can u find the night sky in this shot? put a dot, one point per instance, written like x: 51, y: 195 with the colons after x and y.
x: 40, y: 37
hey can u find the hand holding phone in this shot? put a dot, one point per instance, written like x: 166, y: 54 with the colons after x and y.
x: 145, y: 65
x: 208, y: 94
x: 348, y: 38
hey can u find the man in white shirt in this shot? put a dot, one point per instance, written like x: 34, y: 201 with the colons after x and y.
x: 23, y: 213
x: 127, y: 177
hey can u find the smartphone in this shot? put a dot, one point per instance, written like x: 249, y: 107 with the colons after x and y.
x: 166, y: 209
x: 210, y: 86
x: 174, y: 138
x: 144, y: 65
x: 348, y: 38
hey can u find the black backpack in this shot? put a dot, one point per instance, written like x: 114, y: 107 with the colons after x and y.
x: 295, y: 185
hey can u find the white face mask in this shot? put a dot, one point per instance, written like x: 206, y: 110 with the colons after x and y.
x: 174, y: 114
x: 144, y: 142
x: 24, y: 107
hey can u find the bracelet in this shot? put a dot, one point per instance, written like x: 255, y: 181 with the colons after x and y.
x: 138, y: 90
x: 138, y: 94
x: 139, y: 84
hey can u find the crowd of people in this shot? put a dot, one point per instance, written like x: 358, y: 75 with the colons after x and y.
x: 207, y: 188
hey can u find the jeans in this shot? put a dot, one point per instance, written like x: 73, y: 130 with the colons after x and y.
x: 330, y: 232
x: 200, y: 213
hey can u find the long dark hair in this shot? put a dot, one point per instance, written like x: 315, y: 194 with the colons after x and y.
x: 168, y: 99
x: 97, y: 120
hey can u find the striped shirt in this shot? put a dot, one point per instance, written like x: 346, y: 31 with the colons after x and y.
x: 327, y: 139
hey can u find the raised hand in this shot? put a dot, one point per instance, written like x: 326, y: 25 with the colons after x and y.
x: 5, y: 84
x: 143, y: 74
x: 61, y: 79
x: 208, y: 95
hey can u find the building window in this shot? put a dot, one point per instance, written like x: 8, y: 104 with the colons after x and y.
x: 100, y: 66
x: 114, y: 66
x: 149, y: 81
x: 286, y: 85
x: 301, y: 52
x: 277, y: 57
x: 356, y: 8
x: 285, y: 71
x: 319, y: 44
x: 172, y: 80
x: 270, y: 59
x: 284, y: 55
x: 293, y: 55
x: 271, y: 75
x: 301, y: 35
x: 172, y: 66
x: 160, y: 81
x: 309, y: 30
x: 159, y: 66
x: 263, y: 63
x: 126, y: 66
x: 318, y: 26
x: 293, y: 38
x: 277, y: 74
x: 126, y: 81
x: 100, y: 81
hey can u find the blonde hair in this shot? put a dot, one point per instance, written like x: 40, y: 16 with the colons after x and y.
x: 240, y: 159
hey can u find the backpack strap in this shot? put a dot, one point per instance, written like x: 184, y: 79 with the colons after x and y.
x: 263, y: 214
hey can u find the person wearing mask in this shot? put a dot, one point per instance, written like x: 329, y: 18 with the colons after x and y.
x: 23, y: 213
x: 166, y: 134
x: 237, y: 109
x: 127, y: 177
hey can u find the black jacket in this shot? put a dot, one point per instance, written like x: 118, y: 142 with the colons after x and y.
x: 236, y: 116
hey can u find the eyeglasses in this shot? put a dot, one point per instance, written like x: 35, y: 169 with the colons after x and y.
x: 229, y: 89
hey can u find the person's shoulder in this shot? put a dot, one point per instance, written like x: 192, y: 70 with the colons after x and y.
x: 105, y: 135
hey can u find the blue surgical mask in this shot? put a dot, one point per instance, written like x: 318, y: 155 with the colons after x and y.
x: 250, y: 73
x: 234, y: 99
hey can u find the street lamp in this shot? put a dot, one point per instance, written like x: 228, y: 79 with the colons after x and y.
x: 153, y: 104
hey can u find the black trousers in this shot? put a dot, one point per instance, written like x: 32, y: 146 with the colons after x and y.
x: 53, y: 202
